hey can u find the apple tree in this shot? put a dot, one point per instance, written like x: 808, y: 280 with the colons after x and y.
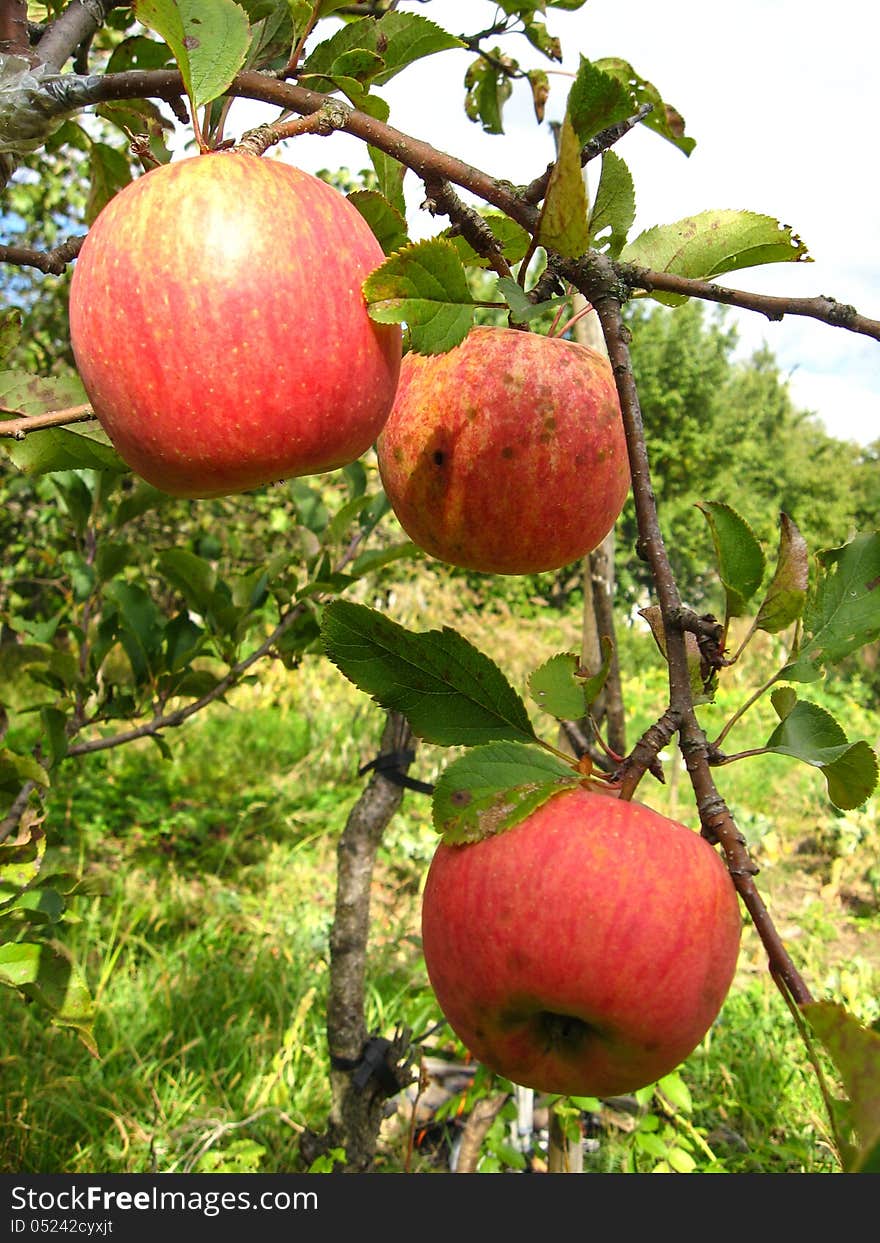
x: 118, y: 622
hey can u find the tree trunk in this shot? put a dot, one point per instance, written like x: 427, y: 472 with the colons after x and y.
x: 364, y: 1070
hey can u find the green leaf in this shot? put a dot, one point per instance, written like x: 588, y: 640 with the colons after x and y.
x: 512, y: 237
x: 810, y: 733
x: 704, y: 246
x: 787, y: 593
x: 451, y: 693
x: 10, y: 331
x: 614, y: 209
x: 664, y: 119
x: 425, y: 286
x: 783, y: 699
x: 676, y: 1092
x: 540, y: 37
x: 389, y: 175
x: 843, y: 610
x: 59, y: 449
x: 193, y: 576
x: 563, y: 225
x: 522, y: 309
x: 562, y: 687
x: 385, y: 221
x: 21, y: 858
x: 140, y: 624
x: 26, y: 394
x: 209, y: 40
x: 493, y: 787
x: 394, y: 41
x: 738, y: 553
x: 596, y: 100
x: 45, y: 973
x: 487, y: 89
x: 408, y: 37
x: 109, y: 171
x: 55, y: 740
x: 138, y: 52
x: 855, y: 1051
x: 24, y: 681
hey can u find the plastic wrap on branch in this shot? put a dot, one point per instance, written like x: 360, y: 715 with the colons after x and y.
x: 34, y: 101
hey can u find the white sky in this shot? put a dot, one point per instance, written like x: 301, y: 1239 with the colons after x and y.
x: 781, y: 99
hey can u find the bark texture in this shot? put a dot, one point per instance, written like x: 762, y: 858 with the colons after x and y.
x: 365, y: 1069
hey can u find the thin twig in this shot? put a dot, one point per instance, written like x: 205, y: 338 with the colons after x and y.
x: 826, y: 310
x: 18, y: 428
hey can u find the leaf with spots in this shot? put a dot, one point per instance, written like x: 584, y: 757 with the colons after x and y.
x: 209, y: 39
x: 493, y: 787
x: 449, y: 691
x: 843, y: 609
x: 564, y: 688
x: 424, y: 286
x: 663, y: 118
x: 712, y: 243
x: 787, y: 593
x: 563, y: 225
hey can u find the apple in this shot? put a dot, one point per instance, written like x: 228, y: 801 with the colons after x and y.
x: 585, y: 951
x: 507, y: 454
x: 219, y: 327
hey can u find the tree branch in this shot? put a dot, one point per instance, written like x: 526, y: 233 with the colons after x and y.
x: 14, y: 38
x: 535, y: 190
x: 52, y: 262
x: 18, y: 428
x: 78, y: 22
x: 826, y: 310
x: 596, y: 279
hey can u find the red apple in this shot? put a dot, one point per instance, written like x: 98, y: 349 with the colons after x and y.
x: 507, y: 454
x: 219, y: 327
x: 585, y: 951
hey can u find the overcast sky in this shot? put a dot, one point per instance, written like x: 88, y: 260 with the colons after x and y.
x: 780, y: 97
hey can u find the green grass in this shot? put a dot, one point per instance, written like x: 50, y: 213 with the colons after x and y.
x: 208, y: 950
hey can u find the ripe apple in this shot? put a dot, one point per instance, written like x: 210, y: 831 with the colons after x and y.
x: 507, y: 454
x: 586, y: 950
x: 219, y: 328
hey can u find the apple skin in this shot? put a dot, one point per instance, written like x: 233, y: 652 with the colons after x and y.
x: 507, y: 454
x: 585, y: 951
x: 219, y: 327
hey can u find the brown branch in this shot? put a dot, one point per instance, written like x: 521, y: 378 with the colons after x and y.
x: 52, y: 262
x: 14, y: 39
x: 324, y: 121
x: 442, y: 200
x: 357, y: 1107
x: 826, y: 310
x: 596, y: 279
x: 18, y: 428
x: 10, y: 822
x: 77, y: 23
